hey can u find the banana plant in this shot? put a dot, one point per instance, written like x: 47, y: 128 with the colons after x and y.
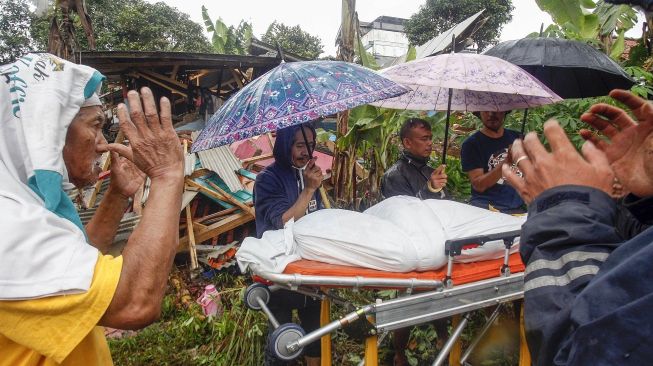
x: 593, y: 22
x: 227, y: 40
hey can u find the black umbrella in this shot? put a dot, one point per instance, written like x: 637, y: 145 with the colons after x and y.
x: 571, y: 69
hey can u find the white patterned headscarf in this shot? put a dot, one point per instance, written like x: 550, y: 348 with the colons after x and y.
x: 43, y: 251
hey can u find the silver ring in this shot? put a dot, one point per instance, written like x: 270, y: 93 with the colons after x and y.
x: 524, y: 157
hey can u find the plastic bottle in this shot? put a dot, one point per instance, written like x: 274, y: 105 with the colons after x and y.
x: 210, y: 301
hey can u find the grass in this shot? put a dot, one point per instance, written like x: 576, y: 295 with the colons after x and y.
x: 183, y: 336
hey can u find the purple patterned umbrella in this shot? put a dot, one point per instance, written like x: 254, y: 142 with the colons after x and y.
x: 465, y: 82
x: 294, y: 93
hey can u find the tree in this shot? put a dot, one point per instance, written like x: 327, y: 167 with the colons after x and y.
x: 228, y: 40
x: 15, y: 39
x: 124, y: 25
x: 436, y: 16
x: 293, y: 39
x: 61, y: 37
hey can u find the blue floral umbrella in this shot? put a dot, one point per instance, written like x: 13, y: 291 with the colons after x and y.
x: 294, y: 93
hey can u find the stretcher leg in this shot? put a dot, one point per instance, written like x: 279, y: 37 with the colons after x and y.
x: 524, y: 353
x: 371, y: 351
x: 486, y: 327
x: 456, y: 350
x: 459, y: 326
x: 325, y: 341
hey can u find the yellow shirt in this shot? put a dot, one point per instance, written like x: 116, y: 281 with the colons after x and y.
x: 60, y: 330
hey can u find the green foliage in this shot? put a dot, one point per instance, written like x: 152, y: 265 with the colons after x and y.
x: 228, y: 40
x: 458, y: 188
x: 293, y: 39
x: 588, y: 21
x: 572, y: 16
x: 366, y: 59
x: 15, y: 38
x: 615, y: 18
x: 183, y: 337
x: 411, y: 54
x: 638, y: 54
x: 436, y: 16
x: 644, y: 88
x: 126, y: 25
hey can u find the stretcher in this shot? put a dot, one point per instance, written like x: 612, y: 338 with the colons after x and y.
x: 455, y: 290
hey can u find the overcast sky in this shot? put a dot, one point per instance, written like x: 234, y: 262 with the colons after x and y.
x: 322, y: 18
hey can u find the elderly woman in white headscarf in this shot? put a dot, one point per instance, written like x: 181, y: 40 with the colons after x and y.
x: 57, y: 284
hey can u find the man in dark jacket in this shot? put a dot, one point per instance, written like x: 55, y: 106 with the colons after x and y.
x: 587, y: 294
x: 288, y: 189
x: 410, y: 175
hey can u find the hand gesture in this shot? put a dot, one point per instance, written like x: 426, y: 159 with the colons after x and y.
x: 312, y: 175
x: 562, y: 166
x: 126, y: 178
x: 629, y: 144
x: 508, y: 159
x: 438, y: 178
x: 154, y: 146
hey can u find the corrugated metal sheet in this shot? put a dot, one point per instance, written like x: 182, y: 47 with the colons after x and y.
x: 127, y: 223
x: 222, y: 161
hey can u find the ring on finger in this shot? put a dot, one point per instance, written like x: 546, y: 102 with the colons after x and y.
x: 524, y: 157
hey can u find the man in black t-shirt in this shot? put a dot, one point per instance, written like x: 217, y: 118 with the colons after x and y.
x: 483, y: 154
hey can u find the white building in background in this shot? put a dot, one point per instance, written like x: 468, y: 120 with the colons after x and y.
x: 41, y: 7
x: 384, y: 38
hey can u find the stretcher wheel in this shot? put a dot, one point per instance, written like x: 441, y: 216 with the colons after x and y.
x: 254, y: 291
x: 281, y: 337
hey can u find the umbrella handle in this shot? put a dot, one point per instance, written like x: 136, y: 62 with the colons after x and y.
x: 446, y: 129
x: 308, y: 146
x: 523, y: 123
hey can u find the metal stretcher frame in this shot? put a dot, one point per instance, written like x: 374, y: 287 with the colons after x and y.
x: 447, y: 298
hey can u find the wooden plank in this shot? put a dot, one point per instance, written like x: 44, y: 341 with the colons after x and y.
x: 213, y: 230
x: 200, y: 74
x: 157, y: 82
x: 238, y: 78
x: 257, y: 158
x: 200, y: 173
x: 175, y: 70
x: 325, y: 199
x: 207, y: 191
x: 270, y: 140
x: 163, y: 77
x: 232, y: 199
x: 191, y: 239
x: 217, y: 214
x: 360, y: 171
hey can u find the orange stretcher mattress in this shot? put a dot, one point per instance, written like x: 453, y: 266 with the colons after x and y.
x: 462, y: 272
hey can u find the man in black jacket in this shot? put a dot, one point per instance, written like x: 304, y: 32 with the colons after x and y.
x: 410, y: 175
x: 587, y: 293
